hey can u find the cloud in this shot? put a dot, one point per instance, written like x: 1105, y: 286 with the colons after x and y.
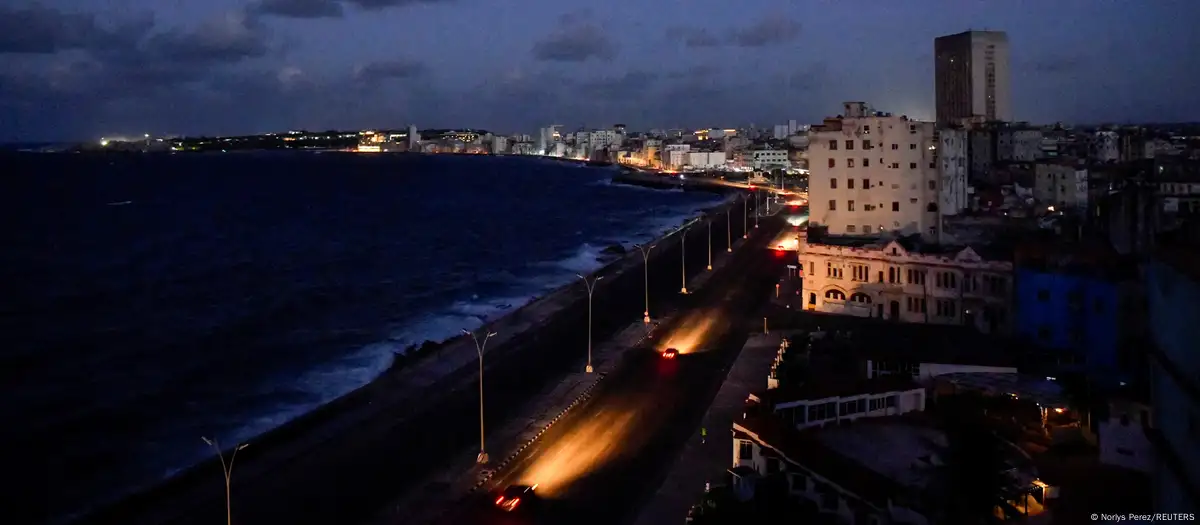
x: 576, y: 40
x: 390, y: 70
x: 693, y: 37
x: 375, y: 5
x: 43, y: 30
x: 299, y: 8
x: 1056, y: 65
x: 769, y: 31
x: 231, y: 38
x: 628, y: 86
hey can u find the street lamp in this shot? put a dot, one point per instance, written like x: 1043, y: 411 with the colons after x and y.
x: 646, y: 272
x: 728, y: 230
x: 709, y: 243
x: 591, y: 287
x: 227, y: 468
x: 756, y: 209
x: 683, y: 257
x: 745, y: 217
x: 479, y: 346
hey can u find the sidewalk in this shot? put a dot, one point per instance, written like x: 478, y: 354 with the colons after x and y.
x: 698, y: 462
x: 430, y: 497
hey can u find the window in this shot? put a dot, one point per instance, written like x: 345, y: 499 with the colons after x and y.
x: 895, y: 206
x: 895, y: 146
x: 880, y: 271
x: 860, y: 297
x: 893, y: 275
x: 859, y: 272
x: 946, y: 308
x: 895, y: 165
x: 912, y: 165
x: 866, y: 182
x: 998, y: 286
x: 866, y: 163
x: 915, y: 304
x: 850, y: 228
x: 932, y: 208
x: 933, y: 184
x: 850, y: 182
x: 850, y: 408
x: 833, y: 145
x: 889, y: 401
x: 866, y: 144
x: 812, y: 298
x: 832, y: 205
x: 832, y: 271
x: 866, y: 129
x: 946, y: 280
x: 773, y: 466
x: 850, y: 204
x: 836, y: 294
x: 916, y: 277
x: 832, y: 163
x: 849, y: 145
x: 866, y: 228
x: 1043, y: 295
x: 745, y: 449
x: 912, y: 146
x: 1044, y: 333
x: 832, y: 183
x: 876, y: 403
x: 850, y: 164
x: 812, y: 268
x: 912, y: 128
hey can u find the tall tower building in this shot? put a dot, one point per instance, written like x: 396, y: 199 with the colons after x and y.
x: 414, y: 138
x: 971, y: 77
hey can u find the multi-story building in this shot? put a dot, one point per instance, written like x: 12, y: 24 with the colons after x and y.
x: 769, y: 158
x: 1172, y: 285
x: 953, y: 152
x: 706, y: 159
x: 675, y: 155
x: 1104, y: 146
x: 1062, y: 184
x: 872, y: 172
x: 781, y: 131
x: 971, y: 76
x: 499, y: 144
x: 1018, y: 144
x: 908, y: 281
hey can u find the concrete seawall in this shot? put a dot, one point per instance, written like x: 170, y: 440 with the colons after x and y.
x: 657, y: 181
x: 358, y: 451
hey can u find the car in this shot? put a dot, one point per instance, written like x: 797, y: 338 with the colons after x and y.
x: 512, y: 496
x: 670, y: 353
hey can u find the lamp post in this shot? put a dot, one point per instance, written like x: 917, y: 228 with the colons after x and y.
x: 728, y: 231
x: 227, y: 468
x: 683, y: 258
x: 745, y: 217
x: 709, y: 221
x: 479, y: 347
x: 756, y: 209
x: 646, y: 273
x: 591, y: 287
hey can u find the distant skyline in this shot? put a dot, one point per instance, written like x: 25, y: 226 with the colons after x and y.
x: 82, y: 69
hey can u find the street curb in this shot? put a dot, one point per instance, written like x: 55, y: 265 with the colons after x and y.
x: 582, y: 397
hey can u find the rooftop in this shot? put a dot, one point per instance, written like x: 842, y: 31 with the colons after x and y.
x: 823, y: 452
x: 826, y: 386
x: 1040, y: 390
x: 916, y: 343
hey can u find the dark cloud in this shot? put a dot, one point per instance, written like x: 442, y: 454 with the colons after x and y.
x: 231, y: 38
x: 767, y: 32
x: 693, y: 37
x: 630, y: 85
x: 695, y: 73
x: 299, y: 8
x: 1056, y: 65
x: 43, y: 30
x: 373, y: 5
x: 577, y: 39
x: 394, y: 69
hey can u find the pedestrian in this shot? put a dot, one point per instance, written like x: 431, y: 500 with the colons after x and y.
x: 703, y: 435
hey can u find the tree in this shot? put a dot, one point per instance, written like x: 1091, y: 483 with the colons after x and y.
x: 974, y: 461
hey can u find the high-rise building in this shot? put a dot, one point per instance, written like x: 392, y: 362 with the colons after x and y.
x: 414, y: 138
x: 872, y: 173
x: 971, y: 77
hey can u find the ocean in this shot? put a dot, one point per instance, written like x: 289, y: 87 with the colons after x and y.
x: 149, y: 300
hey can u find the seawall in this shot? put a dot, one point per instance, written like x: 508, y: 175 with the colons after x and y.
x: 669, y: 181
x: 359, y: 450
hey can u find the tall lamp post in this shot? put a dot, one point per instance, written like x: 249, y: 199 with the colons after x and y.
x: 479, y: 347
x: 745, y: 216
x: 756, y: 209
x: 728, y: 230
x: 709, y: 221
x: 227, y: 468
x: 591, y: 288
x: 646, y: 273
x: 683, y: 258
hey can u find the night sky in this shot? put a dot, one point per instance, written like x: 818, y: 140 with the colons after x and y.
x: 81, y: 69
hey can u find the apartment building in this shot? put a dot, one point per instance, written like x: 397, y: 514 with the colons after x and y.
x: 872, y: 172
x: 908, y: 281
x: 1061, y: 184
x: 971, y: 77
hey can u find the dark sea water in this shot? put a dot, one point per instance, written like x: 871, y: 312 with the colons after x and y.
x: 146, y: 301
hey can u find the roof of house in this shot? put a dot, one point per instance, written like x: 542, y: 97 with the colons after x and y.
x: 810, y: 451
x: 824, y: 387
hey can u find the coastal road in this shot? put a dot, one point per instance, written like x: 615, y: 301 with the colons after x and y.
x: 601, y: 463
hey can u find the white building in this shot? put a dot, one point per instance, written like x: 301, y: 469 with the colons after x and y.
x: 1061, y: 184
x: 834, y: 402
x: 1104, y: 146
x: 1122, y: 437
x: 675, y: 155
x: 499, y: 145
x: 769, y: 158
x: 781, y: 132
x: 953, y: 164
x: 938, y: 285
x: 1018, y: 145
x: 706, y: 159
x: 414, y: 138
x: 604, y: 138
x: 872, y: 172
x: 793, y: 127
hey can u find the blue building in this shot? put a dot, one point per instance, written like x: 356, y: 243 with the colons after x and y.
x: 1074, y: 312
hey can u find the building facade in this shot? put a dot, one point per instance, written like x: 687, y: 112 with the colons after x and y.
x: 907, y: 284
x: 769, y: 158
x: 872, y: 172
x: 971, y: 76
x: 953, y: 165
x: 1062, y: 311
x: 1061, y: 185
